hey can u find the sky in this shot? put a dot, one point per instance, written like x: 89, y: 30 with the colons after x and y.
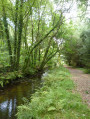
x: 73, y: 13
x: 88, y: 10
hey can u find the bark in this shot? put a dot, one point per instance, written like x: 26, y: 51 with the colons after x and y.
x: 45, y: 55
x: 20, y: 34
x: 7, y: 34
x: 32, y: 40
x: 25, y: 40
x: 49, y: 58
x: 15, y: 35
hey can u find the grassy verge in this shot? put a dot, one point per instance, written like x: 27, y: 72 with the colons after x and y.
x: 55, y: 99
x: 86, y: 71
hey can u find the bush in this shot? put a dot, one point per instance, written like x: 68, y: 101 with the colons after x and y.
x: 87, y: 71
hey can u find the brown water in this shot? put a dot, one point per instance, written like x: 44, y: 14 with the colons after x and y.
x: 12, y: 96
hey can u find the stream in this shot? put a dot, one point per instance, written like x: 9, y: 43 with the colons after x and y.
x: 13, y: 95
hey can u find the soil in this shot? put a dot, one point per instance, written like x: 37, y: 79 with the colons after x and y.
x: 82, y: 82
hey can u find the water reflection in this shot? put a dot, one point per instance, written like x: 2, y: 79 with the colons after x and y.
x: 11, y: 97
x: 7, y: 108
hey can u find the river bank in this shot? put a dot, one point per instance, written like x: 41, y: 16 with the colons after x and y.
x: 9, y: 78
x: 55, y: 99
x: 15, y: 94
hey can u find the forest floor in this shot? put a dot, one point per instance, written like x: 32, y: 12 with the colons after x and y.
x: 82, y: 82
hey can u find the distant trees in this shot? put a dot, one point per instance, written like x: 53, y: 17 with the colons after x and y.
x: 85, y: 49
x: 77, y: 46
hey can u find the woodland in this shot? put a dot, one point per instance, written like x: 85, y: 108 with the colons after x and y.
x: 34, y: 34
x: 42, y: 35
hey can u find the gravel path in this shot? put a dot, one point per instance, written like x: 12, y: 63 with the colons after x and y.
x: 82, y: 82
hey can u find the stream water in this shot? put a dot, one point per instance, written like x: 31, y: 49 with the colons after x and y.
x: 12, y: 96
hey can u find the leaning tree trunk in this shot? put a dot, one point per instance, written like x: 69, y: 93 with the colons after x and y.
x: 45, y: 55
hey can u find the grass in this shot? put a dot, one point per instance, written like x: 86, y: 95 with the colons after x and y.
x: 55, y: 99
x: 86, y: 71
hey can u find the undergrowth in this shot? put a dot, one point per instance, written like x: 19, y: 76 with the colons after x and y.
x: 55, y: 99
x: 87, y: 71
x: 6, y: 78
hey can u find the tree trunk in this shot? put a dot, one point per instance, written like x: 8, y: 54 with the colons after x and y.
x: 15, y: 39
x: 7, y: 34
x: 20, y: 34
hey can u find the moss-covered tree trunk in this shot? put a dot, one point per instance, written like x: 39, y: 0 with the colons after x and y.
x: 15, y: 34
x: 20, y: 27
x: 7, y: 33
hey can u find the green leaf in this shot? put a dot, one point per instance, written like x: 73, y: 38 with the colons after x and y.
x: 52, y: 108
x: 1, y: 83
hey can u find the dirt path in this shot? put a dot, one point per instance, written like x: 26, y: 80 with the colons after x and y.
x: 82, y: 82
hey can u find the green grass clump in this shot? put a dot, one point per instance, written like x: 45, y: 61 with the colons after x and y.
x: 55, y: 99
x: 87, y: 71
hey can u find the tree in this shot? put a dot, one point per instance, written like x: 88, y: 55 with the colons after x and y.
x: 85, y: 49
